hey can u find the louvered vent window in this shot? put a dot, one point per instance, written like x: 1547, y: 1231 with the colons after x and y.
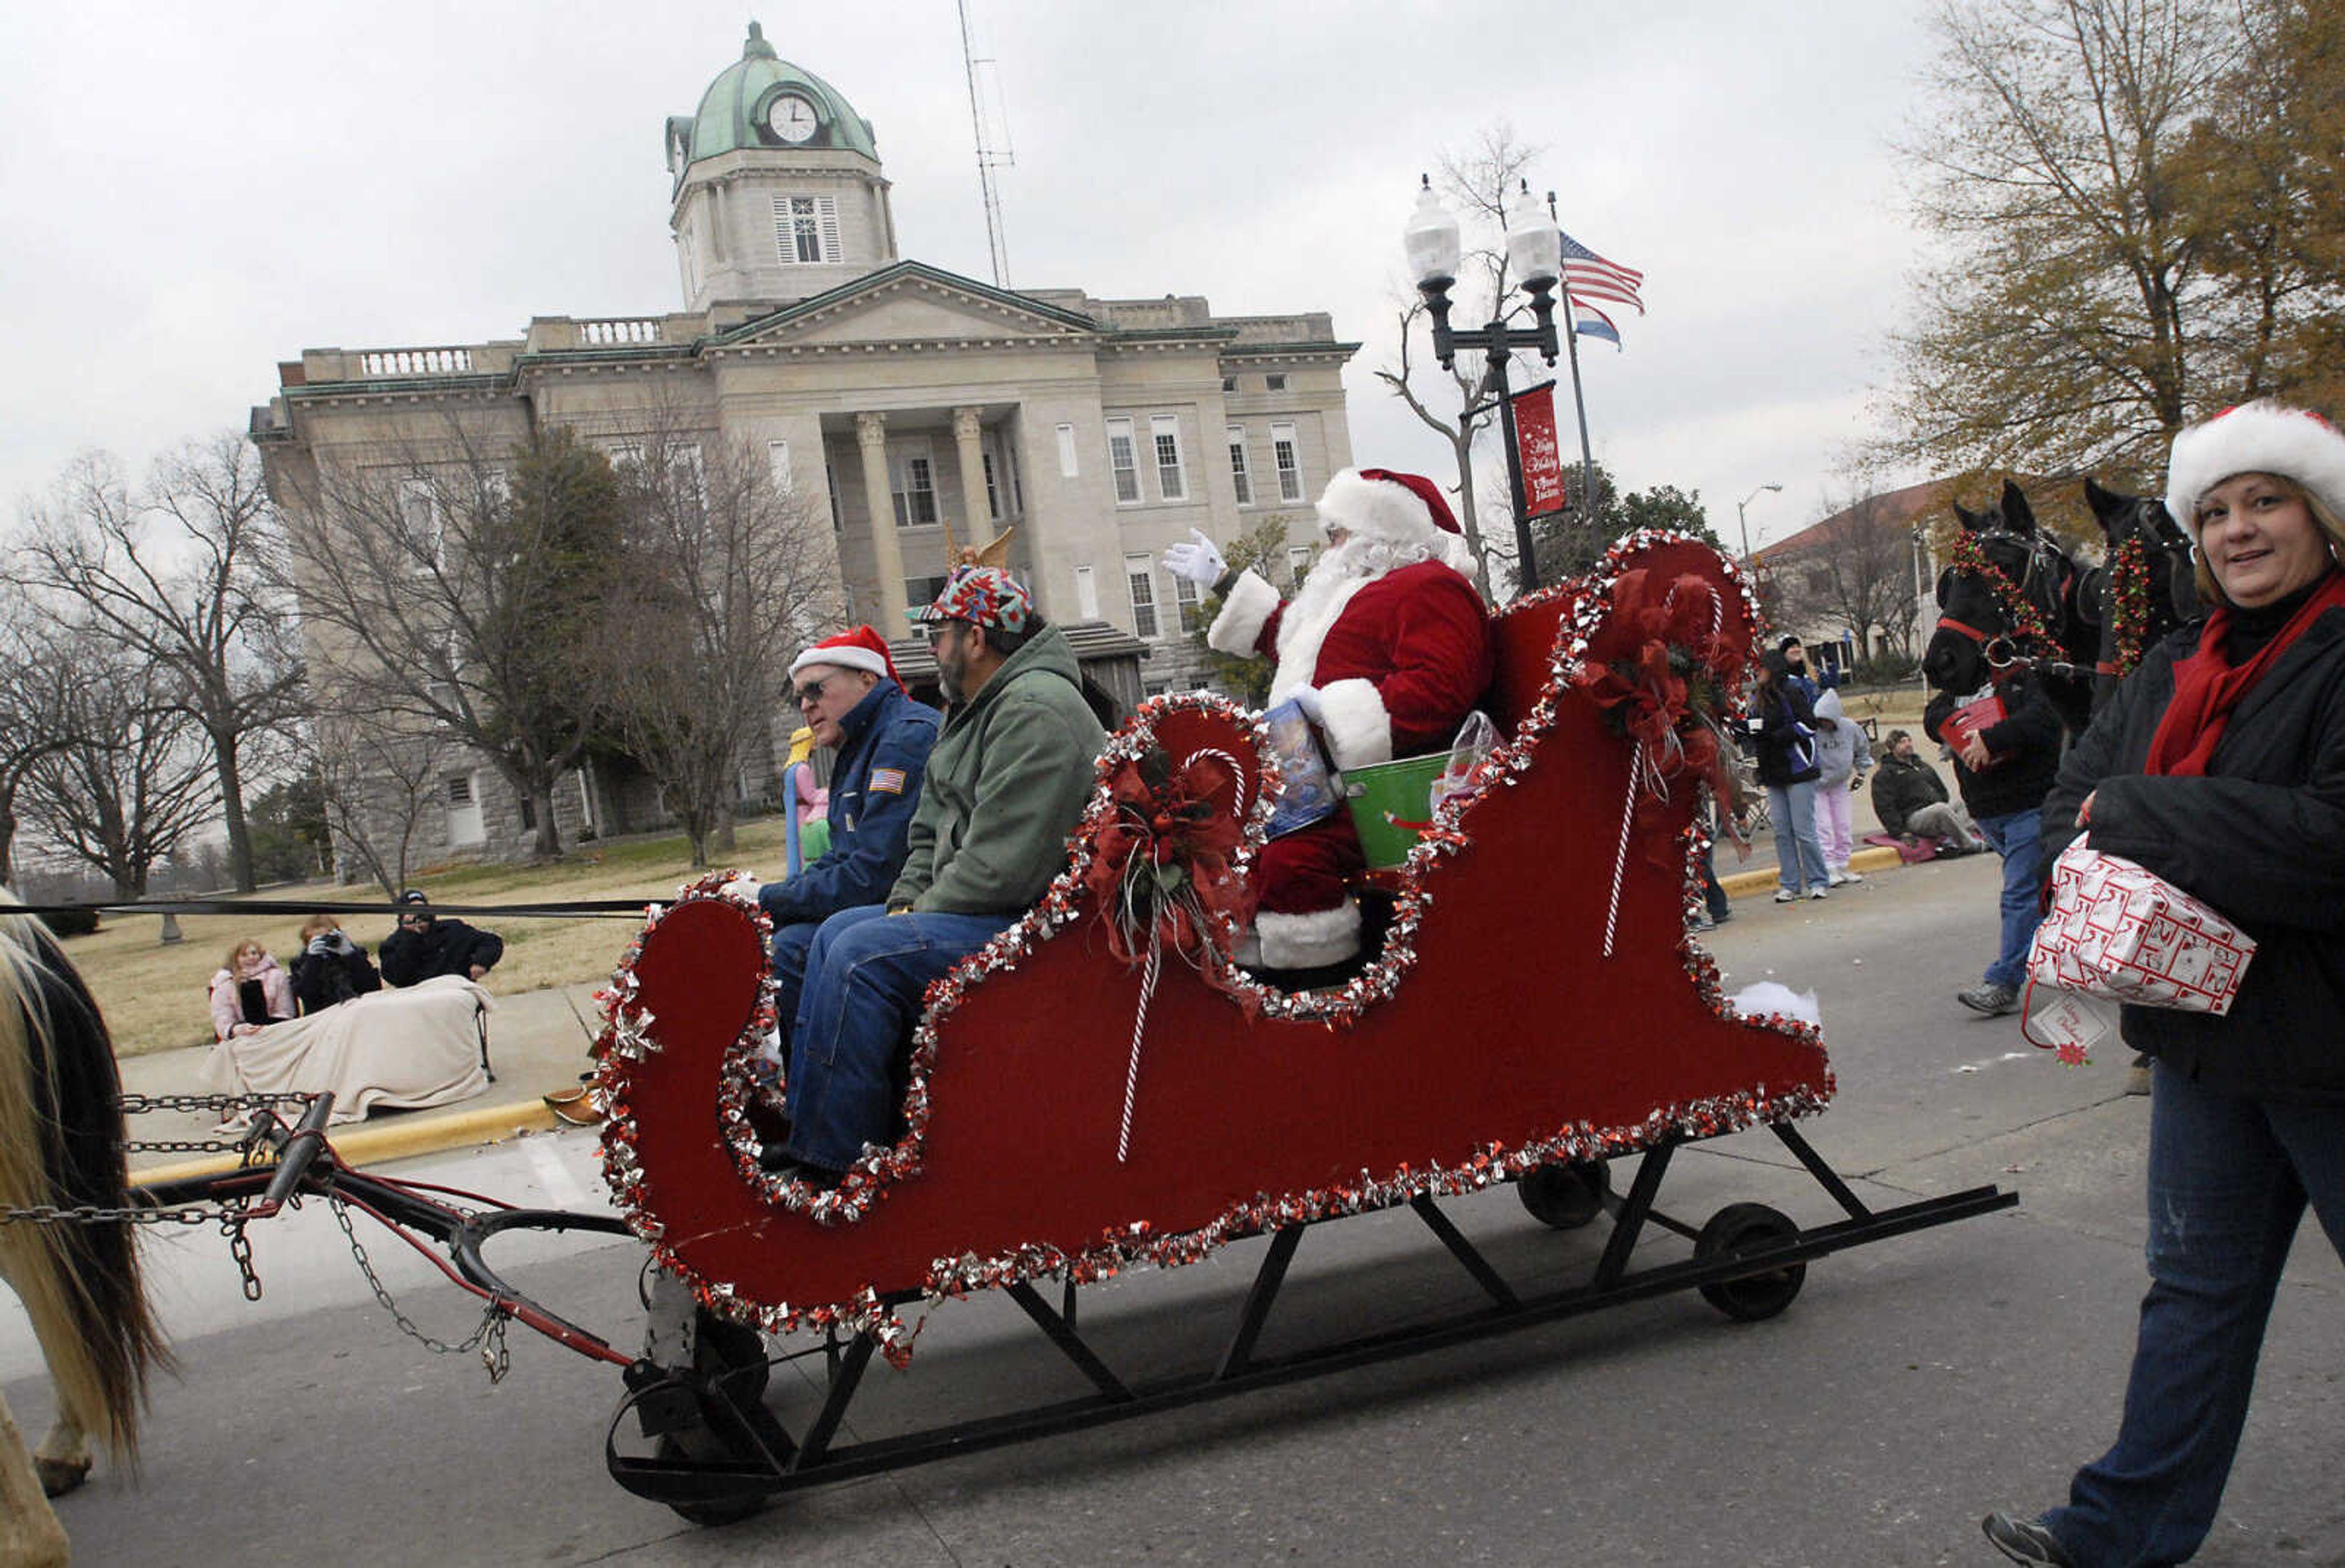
x: 805, y: 229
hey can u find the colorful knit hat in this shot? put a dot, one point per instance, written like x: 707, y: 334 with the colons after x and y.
x: 982, y: 596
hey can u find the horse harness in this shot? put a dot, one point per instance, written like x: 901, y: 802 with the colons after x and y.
x: 2023, y: 611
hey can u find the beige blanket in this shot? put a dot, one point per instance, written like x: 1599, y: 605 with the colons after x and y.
x: 406, y: 1049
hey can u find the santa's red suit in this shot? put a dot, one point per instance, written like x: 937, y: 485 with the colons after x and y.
x: 1396, y: 640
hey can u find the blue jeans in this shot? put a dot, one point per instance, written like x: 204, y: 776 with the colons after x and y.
x: 865, y: 974
x: 2015, y: 838
x: 2228, y: 1181
x: 791, y: 944
x: 1793, y: 808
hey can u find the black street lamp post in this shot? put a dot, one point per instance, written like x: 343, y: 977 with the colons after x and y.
x: 1535, y: 256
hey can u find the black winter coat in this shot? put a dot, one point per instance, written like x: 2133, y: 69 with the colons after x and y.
x: 1785, y: 754
x: 442, y: 948
x: 322, y: 979
x: 2027, y: 741
x: 1903, y: 786
x: 2261, y: 838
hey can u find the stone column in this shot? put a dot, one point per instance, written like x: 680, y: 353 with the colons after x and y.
x: 977, y: 517
x: 886, y: 553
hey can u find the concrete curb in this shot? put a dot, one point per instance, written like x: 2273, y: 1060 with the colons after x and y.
x: 1877, y: 859
x: 425, y: 1133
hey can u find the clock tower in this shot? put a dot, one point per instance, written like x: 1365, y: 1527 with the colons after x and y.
x: 779, y: 195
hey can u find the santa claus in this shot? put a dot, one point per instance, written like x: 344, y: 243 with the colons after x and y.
x: 1385, y: 649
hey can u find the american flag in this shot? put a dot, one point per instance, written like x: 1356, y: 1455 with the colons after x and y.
x: 1589, y: 277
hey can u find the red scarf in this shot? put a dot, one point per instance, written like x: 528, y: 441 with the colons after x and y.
x: 2207, y: 686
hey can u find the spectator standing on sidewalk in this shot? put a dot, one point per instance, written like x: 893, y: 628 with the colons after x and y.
x: 1842, y: 754
x: 1783, y: 729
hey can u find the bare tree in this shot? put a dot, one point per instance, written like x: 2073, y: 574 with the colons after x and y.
x: 1856, y: 570
x: 186, y: 575
x: 1484, y: 184
x: 36, y: 715
x: 465, y: 588
x: 134, y: 782
x: 380, y: 780
x: 727, y: 575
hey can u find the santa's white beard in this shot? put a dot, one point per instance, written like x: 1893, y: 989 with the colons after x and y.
x: 1341, y: 570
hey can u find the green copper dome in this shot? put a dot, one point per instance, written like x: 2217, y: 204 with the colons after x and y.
x: 738, y: 111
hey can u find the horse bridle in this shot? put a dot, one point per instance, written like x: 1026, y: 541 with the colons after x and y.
x: 2040, y: 552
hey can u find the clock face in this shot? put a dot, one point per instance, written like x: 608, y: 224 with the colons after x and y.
x: 791, y: 118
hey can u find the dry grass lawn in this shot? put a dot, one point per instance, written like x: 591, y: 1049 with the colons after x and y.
x: 154, y: 996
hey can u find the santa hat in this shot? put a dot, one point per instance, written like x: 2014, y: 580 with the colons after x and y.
x: 860, y: 649
x: 1405, y: 511
x: 2262, y: 437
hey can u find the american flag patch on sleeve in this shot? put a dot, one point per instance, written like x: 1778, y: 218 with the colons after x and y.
x: 887, y: 781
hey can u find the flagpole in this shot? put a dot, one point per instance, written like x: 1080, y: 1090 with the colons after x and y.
x: 1571, y: 345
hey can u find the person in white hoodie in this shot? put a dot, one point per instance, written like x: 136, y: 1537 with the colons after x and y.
x: 1842, y: 757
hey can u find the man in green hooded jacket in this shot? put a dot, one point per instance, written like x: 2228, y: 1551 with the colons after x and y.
x: 1007, y: 782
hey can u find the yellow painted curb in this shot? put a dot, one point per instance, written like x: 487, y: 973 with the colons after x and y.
x: 401, y: 1140
x: 1879, y: 857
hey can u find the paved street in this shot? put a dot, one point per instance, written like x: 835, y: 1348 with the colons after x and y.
x: 1915, y: 1383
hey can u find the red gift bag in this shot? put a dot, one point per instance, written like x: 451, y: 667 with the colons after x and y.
x: 1970, y: 719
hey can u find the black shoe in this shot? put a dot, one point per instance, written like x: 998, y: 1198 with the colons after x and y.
x: 2025, y: 1540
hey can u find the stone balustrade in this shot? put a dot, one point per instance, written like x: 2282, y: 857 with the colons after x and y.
x: 381, y: 364
x: 632, y: 329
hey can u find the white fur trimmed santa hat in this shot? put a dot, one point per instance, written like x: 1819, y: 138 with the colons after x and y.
x: 2262, y: 437
x: 860, y: 649
x: 1405, y: 512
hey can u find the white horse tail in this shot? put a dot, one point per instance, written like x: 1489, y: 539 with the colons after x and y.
x: 61, y: 1142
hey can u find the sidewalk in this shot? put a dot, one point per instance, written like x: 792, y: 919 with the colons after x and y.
x: 538, y: 1042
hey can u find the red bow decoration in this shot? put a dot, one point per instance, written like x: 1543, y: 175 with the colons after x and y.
x: 1164, y: 858
x: 1638, y: 670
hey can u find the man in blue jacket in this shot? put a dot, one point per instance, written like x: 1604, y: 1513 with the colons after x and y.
x: 852, y: 698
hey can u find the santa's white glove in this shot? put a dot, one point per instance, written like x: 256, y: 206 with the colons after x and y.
x: 1197, y: 560
x: 1307, y: 699
x: 743, y: 889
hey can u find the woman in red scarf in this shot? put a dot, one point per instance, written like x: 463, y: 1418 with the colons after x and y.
x: 2220, y: 766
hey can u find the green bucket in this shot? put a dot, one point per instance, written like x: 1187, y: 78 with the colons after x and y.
x: 1391, y: 806
x: 813, y: 841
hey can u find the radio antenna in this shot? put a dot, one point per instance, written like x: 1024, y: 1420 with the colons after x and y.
x: 988, y: 156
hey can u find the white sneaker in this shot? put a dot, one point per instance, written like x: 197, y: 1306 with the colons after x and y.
x: 1815, y: 893
x: 1837, y: 877
x: 1848, y: 876
x: 1785, y: 896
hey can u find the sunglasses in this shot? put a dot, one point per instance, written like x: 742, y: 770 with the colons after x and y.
x: 811, y: 693
x: 935, y: 631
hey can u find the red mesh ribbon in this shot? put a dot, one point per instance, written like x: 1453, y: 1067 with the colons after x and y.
x: 1164, y: 858
x: 1637, y: 668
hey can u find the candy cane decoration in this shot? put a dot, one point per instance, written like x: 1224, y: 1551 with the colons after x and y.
x: 1139, y: 1025
x: 1645, y: 772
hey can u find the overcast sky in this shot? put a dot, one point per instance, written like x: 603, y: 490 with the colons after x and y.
x: 190, y: 194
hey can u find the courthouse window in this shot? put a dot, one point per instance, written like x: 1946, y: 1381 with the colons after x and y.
x: 1240, y: 475
x: 1142, y: 579
x: 912, y: 480
x: 805, y: 229
x: 1122, y: 463
x: 1068, y: 467
x: 1290, y: 465
x: 1169, y: 482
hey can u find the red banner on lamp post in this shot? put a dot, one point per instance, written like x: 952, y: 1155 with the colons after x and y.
x: 1538, y: 451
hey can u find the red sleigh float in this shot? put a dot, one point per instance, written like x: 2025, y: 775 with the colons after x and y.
x: 1536, y: 1008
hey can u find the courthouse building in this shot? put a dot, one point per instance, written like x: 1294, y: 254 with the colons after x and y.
x: 914, y: 402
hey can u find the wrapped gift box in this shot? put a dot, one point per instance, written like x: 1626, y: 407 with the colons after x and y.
x: 2118, y: 930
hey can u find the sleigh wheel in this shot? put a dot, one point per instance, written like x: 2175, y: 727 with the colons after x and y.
x: 1565, y: 1196
x: 1750, y: 1227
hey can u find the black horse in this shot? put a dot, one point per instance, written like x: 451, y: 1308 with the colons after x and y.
x: 2011, y: 596
x: 2142, y: 591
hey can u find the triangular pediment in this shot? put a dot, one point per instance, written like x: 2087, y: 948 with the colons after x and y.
x: 911, y: 303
